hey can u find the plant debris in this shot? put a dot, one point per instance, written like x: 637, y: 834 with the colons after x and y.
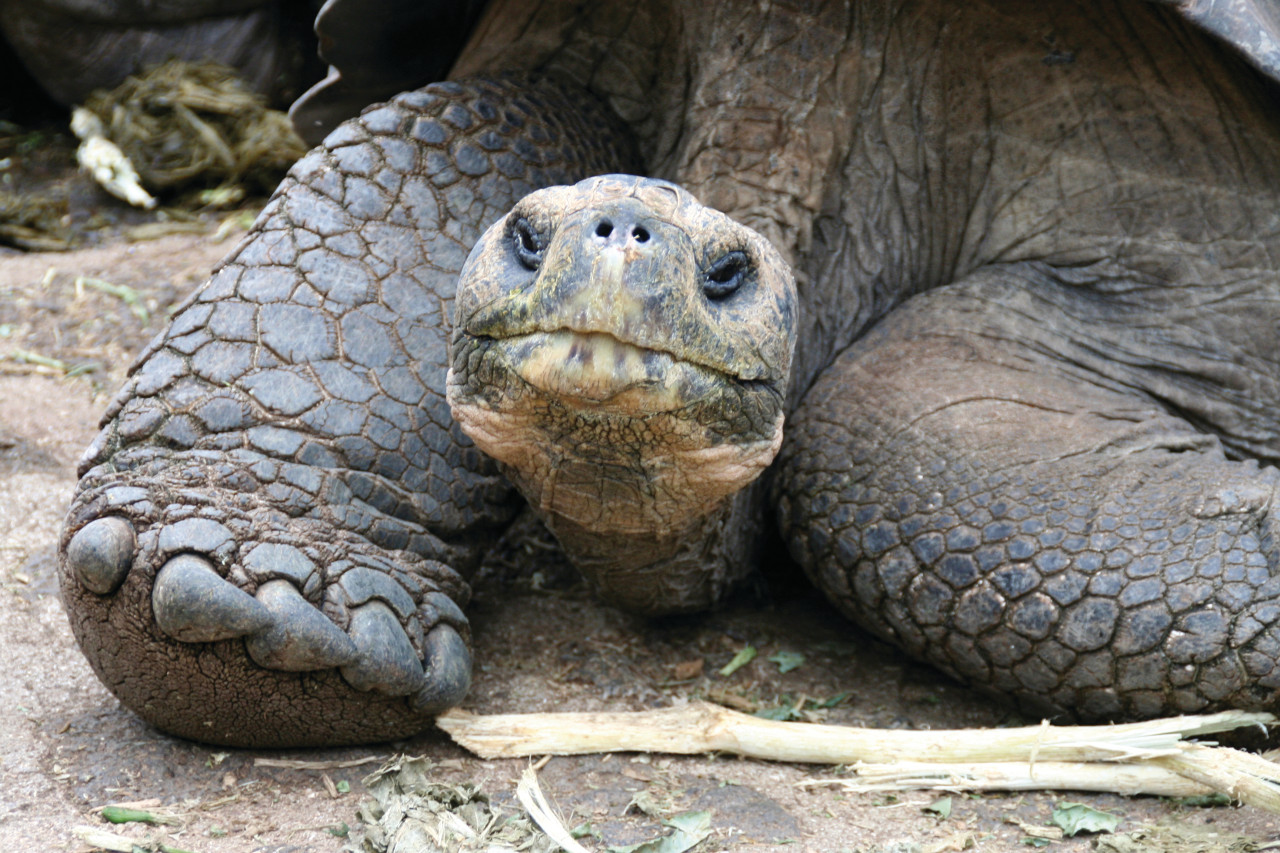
x: 123, y: 814
x: 182, y: 124
x: 787, y: 661
x: 745, y: 655
x: 689, y: 830
x: 786, y: 709
x: 940, y: 807
x: 102, y: 840
x: 123, y: 292
x: 33, y: 221
x: 1036, y: 831
x: 1075, y: 818
x: 530, y: 795
x: 409, y: 811
x: 105, y: 162
x: 1177, y: 838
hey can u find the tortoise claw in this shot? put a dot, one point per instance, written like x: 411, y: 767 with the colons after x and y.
x: 446, y: 607
x: 363, y: 584
x: 101, y: 553
x: 387, y: 662
x: 300, y: 638
x: 193, y: 604
x: 448, y: 667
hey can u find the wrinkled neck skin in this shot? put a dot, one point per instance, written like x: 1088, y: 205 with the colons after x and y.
x: 654, y: 516
x: 664, y: 572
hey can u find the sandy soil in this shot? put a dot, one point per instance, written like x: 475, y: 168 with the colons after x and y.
x: 67, y: 747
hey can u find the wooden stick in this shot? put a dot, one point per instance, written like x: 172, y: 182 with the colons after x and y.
x: 1156, y: 745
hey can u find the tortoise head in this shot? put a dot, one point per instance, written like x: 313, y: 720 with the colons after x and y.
x: 624, y: 352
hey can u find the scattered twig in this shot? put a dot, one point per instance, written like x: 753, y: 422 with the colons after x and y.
x: 530, y: 796
x: 39, y: 363
x: 1109, y: 777
x: 156, y: 230
x: 103, y: 840
x: 329, y: 786
x: 123, y: 292
x: 296, y: 764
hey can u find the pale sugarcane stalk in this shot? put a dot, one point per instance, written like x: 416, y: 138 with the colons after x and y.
x: 1240, y: 775
x: 1155, y: 745
x: 105, y: 162
x: 1111, y: 778
x: 701, y: 727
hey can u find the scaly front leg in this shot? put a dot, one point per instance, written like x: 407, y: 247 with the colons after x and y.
x: 976, y: 482
x: 268, y: 541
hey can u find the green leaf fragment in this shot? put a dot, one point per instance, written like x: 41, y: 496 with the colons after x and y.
x: 116, y: 814
x: 645, y: 803
x: 784, y: 712
x: 833, y: 701
x: 787, y: 661
x: 745, y: 655
x: 691, y: 823
x: 1074, y: 818
x: 690, y: 829
x: 942, y: 808
x: 343, y: 786
x: 119, y: 814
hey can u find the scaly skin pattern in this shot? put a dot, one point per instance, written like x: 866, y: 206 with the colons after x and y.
x: 1029, y: 419
x: 1034, y: 395
x: 1062, y: 543
x: 267, y: 541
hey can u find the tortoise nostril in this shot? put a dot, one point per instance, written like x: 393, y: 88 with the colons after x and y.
x: 604, y: 229
x: 640, y: 234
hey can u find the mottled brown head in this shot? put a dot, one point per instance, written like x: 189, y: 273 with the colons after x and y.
x: 624, y: 352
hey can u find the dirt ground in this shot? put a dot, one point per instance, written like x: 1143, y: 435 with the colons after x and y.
x: 67, y: 748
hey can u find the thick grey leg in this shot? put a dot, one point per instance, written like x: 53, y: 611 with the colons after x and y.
x: 267, y: 541
x: 965, y: 483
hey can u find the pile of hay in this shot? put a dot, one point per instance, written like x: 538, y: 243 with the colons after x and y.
x: 188, y: 124
x: 33, y: 221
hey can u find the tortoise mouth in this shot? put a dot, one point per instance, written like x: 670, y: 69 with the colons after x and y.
x: 599, y: 370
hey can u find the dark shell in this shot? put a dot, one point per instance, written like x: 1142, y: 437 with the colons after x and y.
x: 376, y: 48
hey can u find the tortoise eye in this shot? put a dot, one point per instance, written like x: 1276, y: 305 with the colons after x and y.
x: 527, y: 244
x: 725, y: 276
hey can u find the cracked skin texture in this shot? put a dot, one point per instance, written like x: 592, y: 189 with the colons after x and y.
x: 1030, y: 414
x: 297, y: 402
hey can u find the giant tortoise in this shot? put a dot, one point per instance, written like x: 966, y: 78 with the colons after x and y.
x: 998, y: 283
